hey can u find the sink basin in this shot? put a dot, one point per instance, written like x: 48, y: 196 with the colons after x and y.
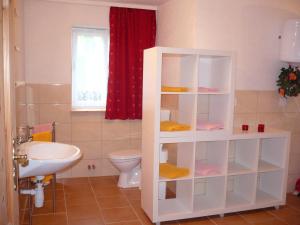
x: 47, y: 158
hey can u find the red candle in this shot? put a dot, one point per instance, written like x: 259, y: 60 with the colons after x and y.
x: 261, y: 128
x: 245, y: 127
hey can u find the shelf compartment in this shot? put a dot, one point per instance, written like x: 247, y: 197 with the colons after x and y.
x: 240, y: 190
x: 209, y: 193
x: 212, y: 157
x: 179, y: 70
x: 271, y: 151
x: 213, y: 112
x: 264, y: 166
x: 180, y: 155
x: 242, y: 156
x: 182, y: 111
x: 270, y: 187
x: 178, y: 199
x: 214, y: 72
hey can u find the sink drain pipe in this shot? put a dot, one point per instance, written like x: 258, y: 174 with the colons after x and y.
x: 38, y: 192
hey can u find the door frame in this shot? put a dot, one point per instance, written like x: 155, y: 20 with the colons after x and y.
x: 9, y: 113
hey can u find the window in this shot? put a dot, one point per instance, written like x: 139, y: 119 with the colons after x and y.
x: 89, y: 68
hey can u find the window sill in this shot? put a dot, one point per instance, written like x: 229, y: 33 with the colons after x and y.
x: 87, y: 110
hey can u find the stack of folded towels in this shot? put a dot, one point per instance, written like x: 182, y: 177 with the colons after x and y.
x: 173, y: 126
x: 171, y: 171
x: 173, y: 89
x: 206, y: 169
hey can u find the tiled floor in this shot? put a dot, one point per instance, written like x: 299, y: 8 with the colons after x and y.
x: 98, y: 201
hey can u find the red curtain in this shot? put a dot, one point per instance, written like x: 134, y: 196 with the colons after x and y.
x: 131, y: 31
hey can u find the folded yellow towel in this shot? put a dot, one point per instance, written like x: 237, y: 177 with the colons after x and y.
x: 170, y: 171
x: 174, y: 89
x: 173, y: 126
x: 46, y: 180
x: 43, y: 136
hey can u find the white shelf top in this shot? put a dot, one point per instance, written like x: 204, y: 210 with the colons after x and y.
x: 163, y: 179
x: 208, y: 176
x: 235, y: 168
x: 234, y: 200
x: 264, y: 166
x: 177, y: 93
x: 203, y: 202
x: 263, y: 197
x: 213, y: 93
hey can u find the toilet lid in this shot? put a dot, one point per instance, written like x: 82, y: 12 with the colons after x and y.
x: 125, y: 154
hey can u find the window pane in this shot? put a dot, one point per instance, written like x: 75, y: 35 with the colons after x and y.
x: 90, y: 68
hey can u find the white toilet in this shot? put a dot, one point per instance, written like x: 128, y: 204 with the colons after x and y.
x: 128, y: 162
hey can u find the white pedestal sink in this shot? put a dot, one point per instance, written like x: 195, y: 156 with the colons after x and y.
x: 47, y: 158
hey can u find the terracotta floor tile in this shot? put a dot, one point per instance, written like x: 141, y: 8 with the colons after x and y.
x: 231, y: 219
x: 270, y: 222
x: 196, y: 221
x: 78, y: 188
x: 50, y: 219
x: 79, y: 195
x: 118, y: 215
x: 89, y: 221
x: 257, y: 216
x: 76, y: 199
x: 291, y: 219
x: 107, y: 191
x: 83, y: 212
x: 136, y: 222
x: 47, y: 208
x: 103, y: 181
x: 284, y: 211
x: 77, y: 180
x: 48, y: 195
x: 112, y: 202
x: 132, y: 194
x: 59, y: 185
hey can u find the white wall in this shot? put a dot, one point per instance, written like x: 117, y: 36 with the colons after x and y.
x: 248, y: 27
x: 48, y: 27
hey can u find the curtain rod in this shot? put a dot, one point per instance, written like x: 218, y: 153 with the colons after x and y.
x: 104, y: 3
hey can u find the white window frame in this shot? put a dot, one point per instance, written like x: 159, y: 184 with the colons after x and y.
x: 87, y: 30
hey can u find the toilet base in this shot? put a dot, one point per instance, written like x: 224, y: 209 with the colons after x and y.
x: 130, y: 179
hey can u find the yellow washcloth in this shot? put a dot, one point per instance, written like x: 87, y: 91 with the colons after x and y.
x: 43, y: 136
x: 174, y: 89
x: 46, y: 180
x: 173, y: 126
x: 170, y: 171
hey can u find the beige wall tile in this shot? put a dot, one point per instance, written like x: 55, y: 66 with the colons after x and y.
x: 116, y: 130
x: 55, y: 93
x: 295, y: 143
x: 90, y: 149
x: 32, y: 93
x: 63, y: 132
x: 108, y: 169
x: 114, y: 145
x: 246, y: 118
x: 21, y: 115
x: 135, y: 144
x: 87, y: 116
x: 268, y: 101
x: 169, y: 101
x: 20, y: 94
x: 65, y: 173
x: 135, y: 127
x: 81, y: 168
x: 246, y: 101
x: 33, y: 114
x: 55, y: 112
x: 86, y: 131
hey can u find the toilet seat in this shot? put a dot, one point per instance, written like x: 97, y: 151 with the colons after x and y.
x: 125, y: 154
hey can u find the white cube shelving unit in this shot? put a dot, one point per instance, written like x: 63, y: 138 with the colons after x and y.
x: 252, y: 166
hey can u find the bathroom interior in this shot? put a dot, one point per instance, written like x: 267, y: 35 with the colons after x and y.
x: 41, y: 36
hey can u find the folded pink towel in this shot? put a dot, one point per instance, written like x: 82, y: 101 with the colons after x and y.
x: 42, y: 128
x: 205, y: 169
x: 207, y: 89
x: 206, y: 125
